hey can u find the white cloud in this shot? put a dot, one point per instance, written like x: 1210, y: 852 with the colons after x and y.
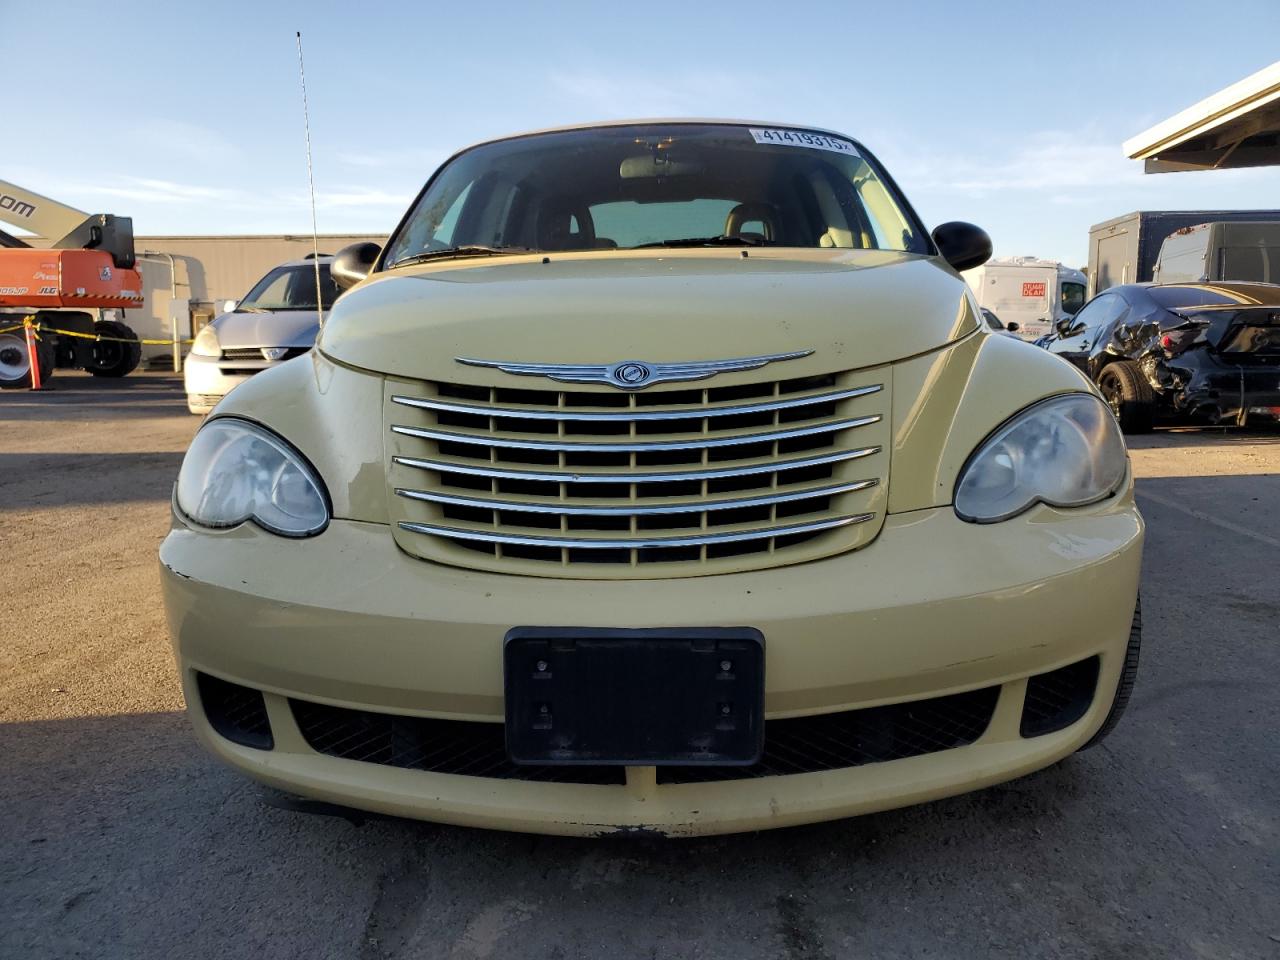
x: 151, y: 190
x: 362, y: 197
x: 1049, y: 160
x: 1056, y: 164
x: 422, y: 160
x: 170, y: 139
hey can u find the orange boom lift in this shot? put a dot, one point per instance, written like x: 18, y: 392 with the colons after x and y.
x: 89, y: 266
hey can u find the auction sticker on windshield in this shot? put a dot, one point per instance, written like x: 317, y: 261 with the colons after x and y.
x: 799, y: 138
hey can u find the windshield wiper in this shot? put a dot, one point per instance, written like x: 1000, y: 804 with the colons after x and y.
x: 468, y: 250
x: 724, y: 240
x: 251, y: 309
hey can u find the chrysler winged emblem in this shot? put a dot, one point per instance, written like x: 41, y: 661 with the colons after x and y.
x: 633, y: 374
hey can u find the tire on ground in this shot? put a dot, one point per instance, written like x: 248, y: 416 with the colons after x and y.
x: 1129, y: 395
x: 113, y: 358
x: 1128, y: 676
x: 15, y: 366
x: 47, y: 357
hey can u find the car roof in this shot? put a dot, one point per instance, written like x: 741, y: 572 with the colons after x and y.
x: 1229, y: 292
x: 305, y: 261
x: 658, y: 121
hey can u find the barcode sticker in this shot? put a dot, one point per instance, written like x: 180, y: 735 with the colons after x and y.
x: 801, y: 138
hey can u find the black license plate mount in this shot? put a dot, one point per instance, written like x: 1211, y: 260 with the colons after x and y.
x: 634, y: 697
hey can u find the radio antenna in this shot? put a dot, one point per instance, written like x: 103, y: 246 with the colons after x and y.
x: 311, y: 181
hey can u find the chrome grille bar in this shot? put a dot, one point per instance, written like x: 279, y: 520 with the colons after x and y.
x: 635, y: 543
x: 570, y: 476
x: 631, y: 413
x: 635, y: 509
x: 642, y: 446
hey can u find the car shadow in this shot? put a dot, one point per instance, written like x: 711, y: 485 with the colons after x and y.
x: 31, y: 480
x: 1182, y: 435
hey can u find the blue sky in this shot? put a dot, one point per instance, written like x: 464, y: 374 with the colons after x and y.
x: 1012, y: 115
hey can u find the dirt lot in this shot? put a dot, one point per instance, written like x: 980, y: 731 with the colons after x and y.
x: 120, y: 838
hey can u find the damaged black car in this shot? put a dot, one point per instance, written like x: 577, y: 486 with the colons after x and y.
x: 1193, y: 352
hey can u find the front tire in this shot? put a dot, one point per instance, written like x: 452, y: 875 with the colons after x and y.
x: 1129, y: 395
x: 1128, y: 677
x: 114, y: 358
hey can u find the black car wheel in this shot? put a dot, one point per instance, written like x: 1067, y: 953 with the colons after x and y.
x: 1129, y: 396
x: 1128, y: 676
x: 117, y: 356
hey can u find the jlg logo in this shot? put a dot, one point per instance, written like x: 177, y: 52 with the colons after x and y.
x: 20, y: 207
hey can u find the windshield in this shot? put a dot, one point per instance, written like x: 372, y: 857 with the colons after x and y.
x: 291, y: 288
x: 658, y: 185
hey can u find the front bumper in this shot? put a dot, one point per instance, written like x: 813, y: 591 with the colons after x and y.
x: 208, y: 379
x: 934, y: 607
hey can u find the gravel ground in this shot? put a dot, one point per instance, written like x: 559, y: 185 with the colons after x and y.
x: 121, y: 838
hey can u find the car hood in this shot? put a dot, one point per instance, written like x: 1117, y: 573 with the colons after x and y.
x: 852, y: 308
x: 280, y: 328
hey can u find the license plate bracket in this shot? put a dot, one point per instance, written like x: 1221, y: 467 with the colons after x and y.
x: 636, y: 697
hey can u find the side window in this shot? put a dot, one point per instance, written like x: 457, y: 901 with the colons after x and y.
x: 1093, y: 314
x: 1072, y: 297
x: 1111, y: 307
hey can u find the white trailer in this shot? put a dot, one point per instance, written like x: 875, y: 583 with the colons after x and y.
x: 1033, y: 294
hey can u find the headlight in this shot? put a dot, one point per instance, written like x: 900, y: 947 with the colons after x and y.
x: 1065, y: 451
x: 206, y: 343
x: 237, y: 471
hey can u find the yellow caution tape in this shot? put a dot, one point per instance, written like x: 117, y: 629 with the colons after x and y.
x: 91, y: 336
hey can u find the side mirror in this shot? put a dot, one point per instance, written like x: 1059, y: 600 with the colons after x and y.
x: 1065, y: 326
x: 962, y: 245
x: 1012, y: 326
x: 352, y: 263
x: 229, y: 306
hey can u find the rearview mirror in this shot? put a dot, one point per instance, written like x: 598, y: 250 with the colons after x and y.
x: 353, y: 262
x: 962, y: 245
x: 649, y: 167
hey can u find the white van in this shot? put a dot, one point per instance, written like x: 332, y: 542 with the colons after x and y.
x: 1028, y: 295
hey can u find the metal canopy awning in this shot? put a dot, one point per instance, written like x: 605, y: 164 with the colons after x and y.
x: 1235, y: 127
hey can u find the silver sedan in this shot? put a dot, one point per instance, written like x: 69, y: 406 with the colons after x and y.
x: 276, y: 321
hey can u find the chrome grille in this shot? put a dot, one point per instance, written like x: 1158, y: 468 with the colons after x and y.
x: 255, y: 353
x: 663, y: 482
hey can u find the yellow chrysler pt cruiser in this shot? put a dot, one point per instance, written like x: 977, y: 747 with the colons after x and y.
x: 655, y: 476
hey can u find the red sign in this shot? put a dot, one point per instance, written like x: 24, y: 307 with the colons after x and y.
x: 1033, y: 289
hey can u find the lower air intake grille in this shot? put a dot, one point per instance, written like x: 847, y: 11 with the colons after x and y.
x: 833, y: 741
x: 237, y: 713
x: 799, y: 745
x: 421, y: 743
x: 1057, y: 699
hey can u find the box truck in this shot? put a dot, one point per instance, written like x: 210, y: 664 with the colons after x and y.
x: 1221, y: 251
x: 1028, y: 295
x: 1125, y: 249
